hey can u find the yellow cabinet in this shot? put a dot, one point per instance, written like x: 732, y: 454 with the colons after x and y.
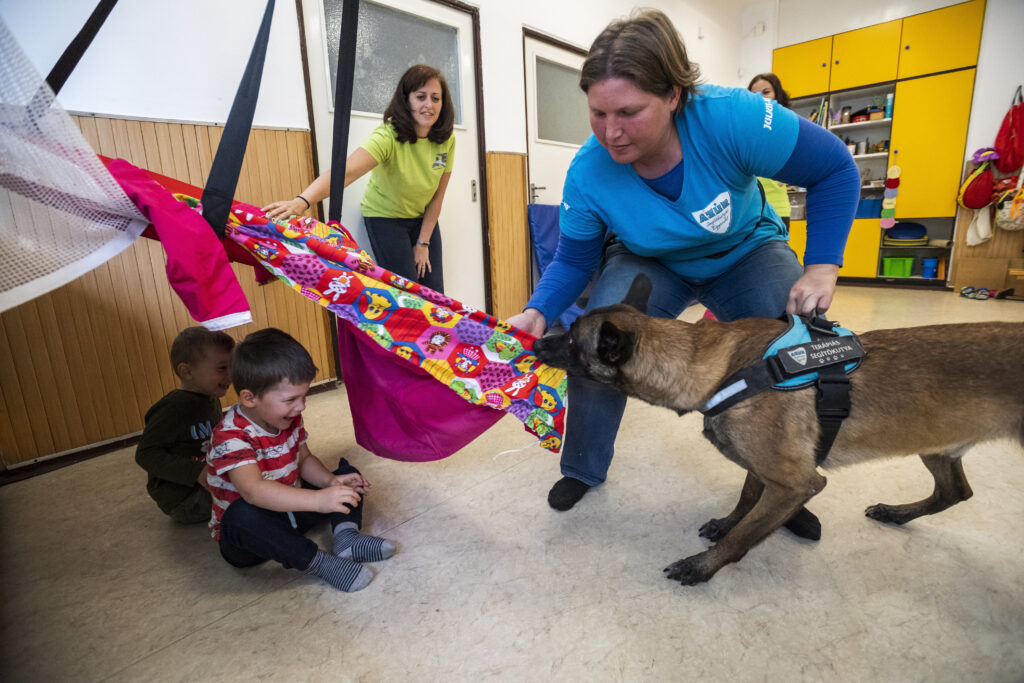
x: 929, y: 132
x: 804, y: 68
x: 861, y: 256
x: 865, y: 56
x: 941, y: 40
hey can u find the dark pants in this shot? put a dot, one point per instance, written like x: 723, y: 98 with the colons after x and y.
x: 393, y: 241
x: 251, y: 535
x: 194, y: 509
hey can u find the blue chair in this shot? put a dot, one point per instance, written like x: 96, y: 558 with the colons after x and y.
x: 543, y: 219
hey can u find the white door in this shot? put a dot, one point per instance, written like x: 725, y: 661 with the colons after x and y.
x: 392, y: 37
x: 558, y: 121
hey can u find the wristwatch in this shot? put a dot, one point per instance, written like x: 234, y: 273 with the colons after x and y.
x: 426, y: 244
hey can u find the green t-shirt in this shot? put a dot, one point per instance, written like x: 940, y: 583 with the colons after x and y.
x: 406, y: 176
x: 775, y: 194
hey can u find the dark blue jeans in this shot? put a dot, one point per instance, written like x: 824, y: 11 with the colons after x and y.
x: 251, y: 535
x: 757, y: 286
x: 393, y: 241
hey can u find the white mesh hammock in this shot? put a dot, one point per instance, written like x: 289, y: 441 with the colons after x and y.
x: 61, y: 213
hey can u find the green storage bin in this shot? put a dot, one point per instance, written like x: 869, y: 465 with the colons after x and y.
x: 897, y: 267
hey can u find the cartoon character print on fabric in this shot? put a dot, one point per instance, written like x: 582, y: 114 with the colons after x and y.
x: 481, y: 358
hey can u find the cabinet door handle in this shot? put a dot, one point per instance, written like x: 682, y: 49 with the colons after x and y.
x: 906, y: 47
x: 837, y: 61
x: 824, y: 64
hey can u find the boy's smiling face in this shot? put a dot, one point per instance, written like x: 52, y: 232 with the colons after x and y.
x: 277, y: 407
x: 211, y: 375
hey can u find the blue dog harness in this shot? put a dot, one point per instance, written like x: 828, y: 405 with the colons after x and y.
x: 812, y: 351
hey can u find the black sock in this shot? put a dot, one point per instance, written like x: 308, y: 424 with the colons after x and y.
x: 804, y: 524
x: 566, y: 492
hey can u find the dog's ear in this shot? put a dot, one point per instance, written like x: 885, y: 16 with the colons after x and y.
x: 614, y: 346
x: 639, y: 292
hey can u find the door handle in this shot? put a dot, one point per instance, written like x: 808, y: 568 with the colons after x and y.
x: 533, y: 192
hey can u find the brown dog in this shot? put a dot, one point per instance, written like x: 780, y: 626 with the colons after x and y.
x: 934, y: 391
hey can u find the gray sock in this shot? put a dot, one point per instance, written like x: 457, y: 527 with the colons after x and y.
x: 350, y: 544
x: 345, y: 575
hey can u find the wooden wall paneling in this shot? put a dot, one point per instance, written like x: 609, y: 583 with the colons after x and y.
x: 509, y: 233
x: 88, y: 359
x: 151, y: 144
x: 8, y: 438
x: 41, y: 348
x: 59, y: 349
x: 191, y: 150
x: 109, y: 348
x: 31, y: 395
x: 83, y: 360
x: 136, y: 144
x: 15, y: 410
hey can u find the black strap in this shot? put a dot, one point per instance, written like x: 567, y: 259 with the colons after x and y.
x: 69, y: 60
x: 833, y: 406
x: 343, y: 103
x: 227, y: 162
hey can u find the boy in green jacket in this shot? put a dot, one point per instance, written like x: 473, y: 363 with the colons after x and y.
x: 178, y: 426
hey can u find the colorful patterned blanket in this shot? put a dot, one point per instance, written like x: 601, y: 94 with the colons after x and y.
x: 484, y: 360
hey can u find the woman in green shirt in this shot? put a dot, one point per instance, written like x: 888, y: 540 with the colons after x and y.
x: 409, y: 158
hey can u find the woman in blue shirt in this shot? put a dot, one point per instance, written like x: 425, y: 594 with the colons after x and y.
x: 667, y: 186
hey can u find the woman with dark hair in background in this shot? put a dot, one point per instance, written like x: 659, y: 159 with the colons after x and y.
x: 410, y: 158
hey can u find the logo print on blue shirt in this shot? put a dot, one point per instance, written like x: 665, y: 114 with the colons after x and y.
x: 716, y: 216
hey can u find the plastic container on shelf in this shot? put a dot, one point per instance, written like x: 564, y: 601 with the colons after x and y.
x: 930, y: 267
x: 869, y: 208
x: 897, y: 267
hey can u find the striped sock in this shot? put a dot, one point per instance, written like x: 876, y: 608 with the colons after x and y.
x: 343, y: 574
x: 351, y: 544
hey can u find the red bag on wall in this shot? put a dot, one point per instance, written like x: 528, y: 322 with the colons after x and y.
x: 1010, y: 139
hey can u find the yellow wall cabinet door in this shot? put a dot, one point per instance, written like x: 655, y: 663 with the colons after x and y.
x: 941, y: 40
x: 865, y: 56
x: 861, y: 256
x: 804, y: 68
x: 798, y: 238
x: 929, y: 132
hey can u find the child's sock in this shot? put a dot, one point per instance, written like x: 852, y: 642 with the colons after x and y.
x: 345, y: 575
x: 350, y: 544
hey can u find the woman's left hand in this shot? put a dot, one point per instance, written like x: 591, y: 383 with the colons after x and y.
x: 421, y: 254
x: 814, y: 290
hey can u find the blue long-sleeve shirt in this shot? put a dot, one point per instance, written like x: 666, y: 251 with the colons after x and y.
x: 728, y: 137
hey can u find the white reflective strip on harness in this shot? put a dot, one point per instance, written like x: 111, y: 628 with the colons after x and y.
x: 726, y: 392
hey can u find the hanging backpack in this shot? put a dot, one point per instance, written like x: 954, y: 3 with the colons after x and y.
x: 976, y: 190
x: 1010, y: 139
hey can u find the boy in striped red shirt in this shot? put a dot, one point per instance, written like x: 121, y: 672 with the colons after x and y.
x: 268, y: 489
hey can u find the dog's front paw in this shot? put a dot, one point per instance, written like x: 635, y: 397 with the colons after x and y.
x: 715, y: 529
x: 689, y: 571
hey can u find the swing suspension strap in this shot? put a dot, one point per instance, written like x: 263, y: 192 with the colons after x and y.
x: 343, y: 103
x: 227, y: 162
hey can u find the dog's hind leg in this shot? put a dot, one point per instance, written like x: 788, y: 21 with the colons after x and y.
x: 715, y: 529
x: 951, y: 487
